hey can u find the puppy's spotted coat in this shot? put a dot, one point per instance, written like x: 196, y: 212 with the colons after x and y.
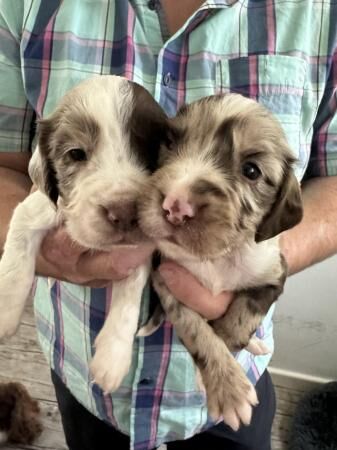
x: 224, y: 190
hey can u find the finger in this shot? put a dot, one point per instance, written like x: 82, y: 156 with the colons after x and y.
x: 98, y: 265
x: 58, y: 245
x: 187, y: 289
x: 127, y: 258
x: 115, y: 265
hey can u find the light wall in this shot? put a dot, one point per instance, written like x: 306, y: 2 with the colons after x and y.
x: 306, y: 322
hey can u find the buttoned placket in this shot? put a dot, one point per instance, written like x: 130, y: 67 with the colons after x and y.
x: 165, y: 82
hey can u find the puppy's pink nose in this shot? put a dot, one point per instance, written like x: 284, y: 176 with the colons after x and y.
x: 122, y: 215
x: 178, y: 210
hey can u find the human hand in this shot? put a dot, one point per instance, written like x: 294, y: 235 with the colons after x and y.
x: 63, y: 259
x: 188, y: 290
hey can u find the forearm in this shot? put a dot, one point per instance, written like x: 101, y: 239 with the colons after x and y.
x: 14, y: 187
x: 315, y: 238
x: 15, y: 161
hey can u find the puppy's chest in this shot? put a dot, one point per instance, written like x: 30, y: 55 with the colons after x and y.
x: 252, y: 266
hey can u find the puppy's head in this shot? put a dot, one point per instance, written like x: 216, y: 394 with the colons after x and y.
x: 95, y: 153
x: 227, y: 179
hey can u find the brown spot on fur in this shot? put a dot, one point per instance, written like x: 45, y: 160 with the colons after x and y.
x: 87, y: 126
x: 149, y: 127
x: 261, y: 298
x: 51, y: 182
x: 270, y: 182
x: 200, y: 360
x: 46, y: 128
x: 202, y: 187
x: 224, y: 137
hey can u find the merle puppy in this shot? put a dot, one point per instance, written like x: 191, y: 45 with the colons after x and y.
x: 224, y: 190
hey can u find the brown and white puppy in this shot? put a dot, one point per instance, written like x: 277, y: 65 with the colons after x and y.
x: 19, y: 415
x: 94, y: 154
x: 224, y: 190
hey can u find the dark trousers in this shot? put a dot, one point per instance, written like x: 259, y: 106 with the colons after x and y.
x: 84, y: 431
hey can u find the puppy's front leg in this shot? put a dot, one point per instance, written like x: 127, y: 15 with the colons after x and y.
x: 246, y: 313
x: 30, y: 222
x: 114, y: 342
x: 229, y: 392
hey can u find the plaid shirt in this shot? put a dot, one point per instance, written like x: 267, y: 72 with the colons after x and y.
x: 282, y: 53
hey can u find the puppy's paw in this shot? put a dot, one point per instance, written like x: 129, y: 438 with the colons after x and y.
x: 111, y: 362
x: 14, y: 292
x: 257, y: 347
x: 230, y: 395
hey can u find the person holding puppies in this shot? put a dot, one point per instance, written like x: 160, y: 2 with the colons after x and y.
x: 282, y: 55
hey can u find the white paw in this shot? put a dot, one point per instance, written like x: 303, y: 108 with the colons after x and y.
x: 230, y: 395
x: 13, y: 295
x: 9, y: 319
x: 111, y: 362
x: 257, y: 347
x: 240, y: 410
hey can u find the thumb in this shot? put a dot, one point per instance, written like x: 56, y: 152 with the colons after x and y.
x: 188, y: 290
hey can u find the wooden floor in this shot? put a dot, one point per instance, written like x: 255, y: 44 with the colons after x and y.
x: 21, y: 360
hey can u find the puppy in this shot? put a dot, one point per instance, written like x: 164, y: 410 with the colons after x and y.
x: 19, y: 415
x: 225, y: 188
x: 93, y: 157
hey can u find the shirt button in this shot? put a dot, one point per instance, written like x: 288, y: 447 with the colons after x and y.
x: 167, y: 79
x: 145, y: 381
x: 152, y: 4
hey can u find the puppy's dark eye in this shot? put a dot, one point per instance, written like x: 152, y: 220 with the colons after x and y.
x: 77, y: 154
x: 251, y: 171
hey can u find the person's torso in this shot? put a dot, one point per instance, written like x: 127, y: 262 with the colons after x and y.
x: 270, y: 51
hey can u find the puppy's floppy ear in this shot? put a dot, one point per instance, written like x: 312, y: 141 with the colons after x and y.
x: 286, y: 212
x: 41, y: 168
x: 149, y: 126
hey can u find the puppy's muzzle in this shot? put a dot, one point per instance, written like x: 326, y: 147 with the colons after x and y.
x: 178, y: 209
x: 122, y: 215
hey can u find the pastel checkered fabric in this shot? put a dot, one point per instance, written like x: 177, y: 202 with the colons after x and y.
x: 281, y: 53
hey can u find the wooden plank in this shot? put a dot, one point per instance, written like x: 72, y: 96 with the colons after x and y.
x: 21, y: 360
x: 30, y: 369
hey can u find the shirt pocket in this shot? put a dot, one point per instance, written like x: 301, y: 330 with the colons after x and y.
x: 275, y: 81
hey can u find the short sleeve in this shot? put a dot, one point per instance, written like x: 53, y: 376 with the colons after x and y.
x: 323, y: 159
x: 16, y: 115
